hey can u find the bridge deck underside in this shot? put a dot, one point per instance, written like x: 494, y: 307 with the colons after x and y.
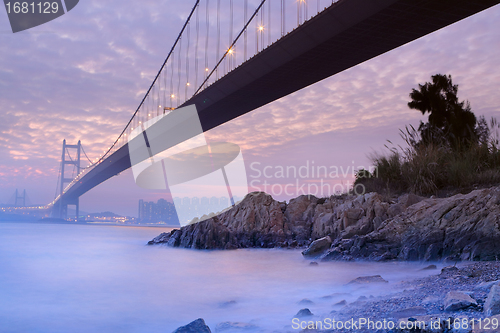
x: 344, y: 35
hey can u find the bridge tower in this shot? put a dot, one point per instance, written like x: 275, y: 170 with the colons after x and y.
x: 20, y: 199
x: 61, y: 210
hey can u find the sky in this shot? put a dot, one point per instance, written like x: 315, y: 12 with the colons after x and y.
x: 81, y: 76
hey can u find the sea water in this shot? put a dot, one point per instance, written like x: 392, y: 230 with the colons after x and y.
x: 88, y: 278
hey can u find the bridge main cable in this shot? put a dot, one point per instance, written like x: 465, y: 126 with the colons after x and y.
x: 155, y: 79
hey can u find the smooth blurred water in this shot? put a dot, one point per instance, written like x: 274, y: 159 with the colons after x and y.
x: 85, y: 278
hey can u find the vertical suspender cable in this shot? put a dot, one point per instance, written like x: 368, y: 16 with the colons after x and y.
x: 187, y: 61
x: 218, y: 39
x: 245, y: 15
x: 257, y: 32
x: 172, y: 81
x: 281, y: 18
x: 262, y: 21
x: 306, y: 6
x: 205, y: 71
x: 158, y: 102
x: 284, y: 17
x: 179, y: 70
x: 231, y: 56
x: 150, y: 104
x: 268, y: 22
x: 298, y: 13
x: 196, y: 48
x: 159, y: 97
x: 164, y: 104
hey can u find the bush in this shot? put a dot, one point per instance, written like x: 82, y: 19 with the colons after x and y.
x: 431, y: 169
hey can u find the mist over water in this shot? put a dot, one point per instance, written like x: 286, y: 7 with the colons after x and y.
x: 85, y: 278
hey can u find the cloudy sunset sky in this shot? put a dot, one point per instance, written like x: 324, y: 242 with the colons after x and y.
x: 81, y: 76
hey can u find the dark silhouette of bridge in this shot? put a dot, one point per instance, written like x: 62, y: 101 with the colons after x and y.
x: 338, y: 37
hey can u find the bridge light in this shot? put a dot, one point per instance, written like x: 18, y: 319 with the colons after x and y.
x: 187, y: 84
x: 206, y: 69
x: 172, y: 96
x: 261, y: 28
x: 230, y: 51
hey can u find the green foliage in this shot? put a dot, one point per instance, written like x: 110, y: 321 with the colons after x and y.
x: 450, y: 122
x: 453, y: 151
x: 429, y: 169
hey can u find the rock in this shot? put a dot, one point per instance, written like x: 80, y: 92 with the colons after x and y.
x: 368, y: 279
x: 395, y: 210
x: 486, y: 286
x: 461, y: 227
x: 429, y: 267
x: 227, y: 304
x: 197, y: 326
x: 305, y: 301
x: 318, y: 247
x: 229, y: 326
x: 430, y: 300
x: 456, y: 300
x: 449, y: 270
x: 303, y: 313
x: 410, y: 199
x: 298, y: 217
x: 409, y: 312
x: 341, y: 303
x: 351, y: 216
x: 313, y: 263
x: 336, y: 295
x: 432, y: 252
x: 492, y: 305
x: 465, y: 226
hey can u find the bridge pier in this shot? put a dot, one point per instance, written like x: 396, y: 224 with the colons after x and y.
x: 60, y: 209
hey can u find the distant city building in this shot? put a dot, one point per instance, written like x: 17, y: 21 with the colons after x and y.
x: 161, y: 211
x: 164, y: 211
x: 190, y: 208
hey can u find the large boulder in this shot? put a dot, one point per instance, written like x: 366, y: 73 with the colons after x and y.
x: 492, y: 305
x: 318, y: 247
x: 299, y: 215
x: 368, y: 279
x: 257, y: 221
x: 456, y: 300
x: 197, y: 326
x: 304, y: 313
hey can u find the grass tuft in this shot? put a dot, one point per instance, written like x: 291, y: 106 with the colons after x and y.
x: 434, y: 170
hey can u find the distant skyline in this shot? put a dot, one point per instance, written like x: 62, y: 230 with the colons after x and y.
x: 81, y: 76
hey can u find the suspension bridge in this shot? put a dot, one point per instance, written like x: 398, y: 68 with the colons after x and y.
x: 230, y: 59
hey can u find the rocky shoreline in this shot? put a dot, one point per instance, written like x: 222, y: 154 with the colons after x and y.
x: 463, y: 298
x: 464, y: 227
